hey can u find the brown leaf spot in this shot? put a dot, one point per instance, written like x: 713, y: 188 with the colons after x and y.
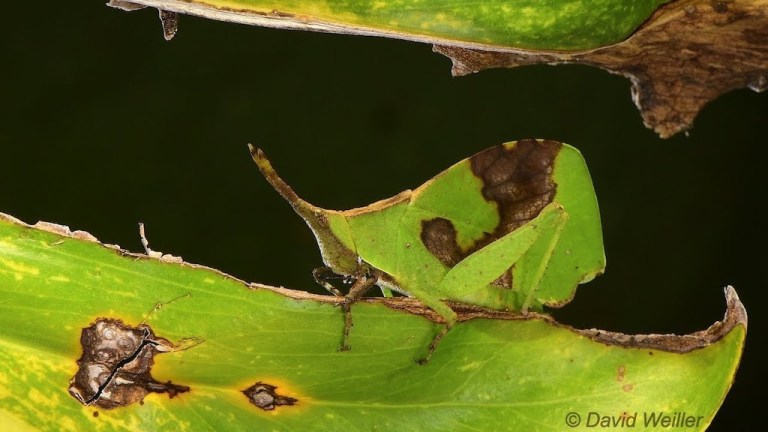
x: 265, y: 396
x: 114, y: 369
x: 620, y: 373
x: 719, y: 6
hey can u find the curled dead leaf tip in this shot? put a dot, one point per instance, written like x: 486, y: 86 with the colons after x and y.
x: 735, y: 313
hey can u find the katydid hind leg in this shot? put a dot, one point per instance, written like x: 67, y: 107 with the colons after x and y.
x: 541, y: 255
x: 484, y: 266
x: 465, y: 280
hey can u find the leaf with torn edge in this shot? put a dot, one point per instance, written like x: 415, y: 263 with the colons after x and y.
x: 679, y: 55
x: 268, y: 358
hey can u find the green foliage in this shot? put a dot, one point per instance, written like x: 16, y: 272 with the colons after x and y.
x: 530, y: 24
x: 488, y: 374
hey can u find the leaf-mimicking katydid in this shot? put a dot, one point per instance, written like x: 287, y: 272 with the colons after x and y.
x: 515, y: 227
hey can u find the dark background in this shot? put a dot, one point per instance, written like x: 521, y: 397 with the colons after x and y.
x: 104, y: 124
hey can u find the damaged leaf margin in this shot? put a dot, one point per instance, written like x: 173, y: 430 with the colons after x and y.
x: 735, y: 314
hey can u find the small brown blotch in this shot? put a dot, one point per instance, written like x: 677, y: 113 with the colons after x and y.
x: 95, y: 413
x: 719, y: 6
x: 114, y: 370
x: 265, y: 396
x: 620, y: 373
x: 628, y: 387
x: 505, y: 280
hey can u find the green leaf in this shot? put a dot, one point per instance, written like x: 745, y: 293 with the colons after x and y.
x: 489, y: 24
x: 494, y: 371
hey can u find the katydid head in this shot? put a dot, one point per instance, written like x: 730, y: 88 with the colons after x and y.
x: 329, y: 226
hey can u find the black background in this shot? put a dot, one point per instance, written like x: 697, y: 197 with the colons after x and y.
x: 104, y: 124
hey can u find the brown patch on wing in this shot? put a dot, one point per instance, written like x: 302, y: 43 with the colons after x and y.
x: 518, y: 180
x: 439, y: 237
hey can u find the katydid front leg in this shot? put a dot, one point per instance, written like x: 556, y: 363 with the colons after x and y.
x: 324, y: 275
x: 356, y: 292
x: 361, y: 283
x: 465, y: 282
